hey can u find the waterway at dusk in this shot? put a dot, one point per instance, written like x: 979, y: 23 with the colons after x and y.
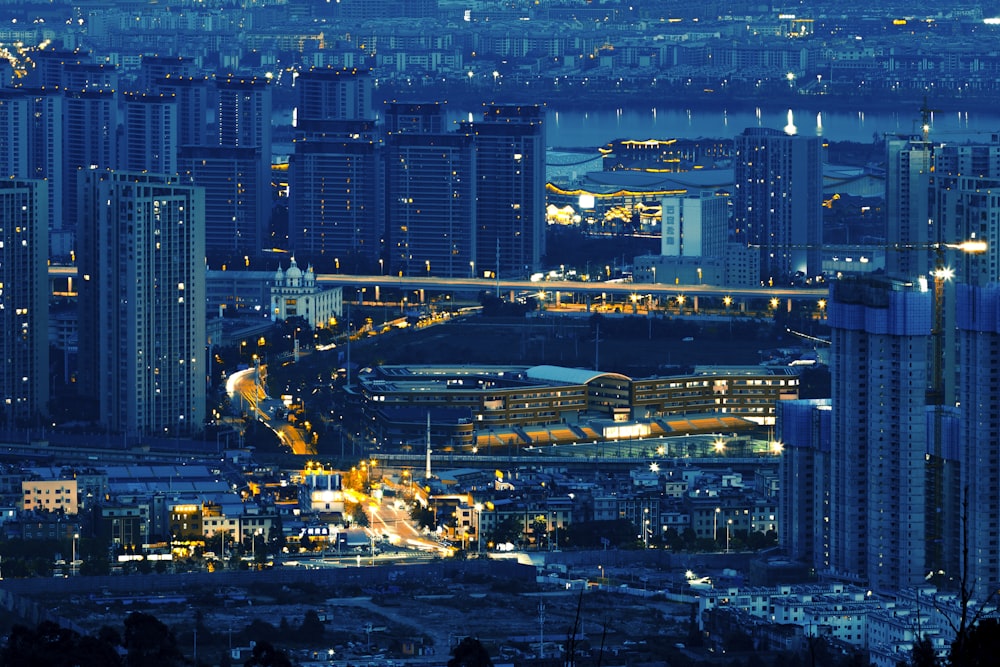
x: 579, y: 129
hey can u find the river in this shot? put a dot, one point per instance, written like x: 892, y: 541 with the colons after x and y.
x: 581, y: 129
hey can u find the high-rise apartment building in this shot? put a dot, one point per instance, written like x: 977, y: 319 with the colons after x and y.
x: 430, y: 197
x: 778, y: 201
x: 977, y: 515
x: 142, y: 302
x: 803, y: 428
x: 156, y: 69
x: 694, y: 225
x: 243, y: 114
x: 237, y: 197
x: 966, y: 207
x: 879, y: 432
x: 90, y: 141
x: 336, y: 173
x: 242, y: 125
x: 333, y: 94
x: 193, y: 95
x: 24, y: 343
x: 149, y: 131
x: 907, y: 205
x: 510, y: 189
x: 31, y: 147
x: 335, y: 207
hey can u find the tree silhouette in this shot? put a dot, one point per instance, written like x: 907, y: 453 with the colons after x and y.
x: 312, y: 628
x: 265, y: 655
x: 470, y: 653
x: 150, y: 642
x: 980, y: 647
x: 54, y: 646
x: 923, y: 653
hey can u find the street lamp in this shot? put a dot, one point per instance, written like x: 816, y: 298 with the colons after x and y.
x: 715, y: 525
x: 72, y: 564
x: 729, y: 524
x: 645, y: 528
x: 479, y: 527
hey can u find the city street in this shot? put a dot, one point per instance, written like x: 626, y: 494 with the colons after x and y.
x: 245, y: 389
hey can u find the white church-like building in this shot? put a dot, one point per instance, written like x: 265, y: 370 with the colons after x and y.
x: 296, y: 294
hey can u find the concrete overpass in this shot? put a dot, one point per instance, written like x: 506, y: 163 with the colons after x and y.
x: 63, y: 279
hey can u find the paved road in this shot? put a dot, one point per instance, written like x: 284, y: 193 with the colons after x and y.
x: 243, y: 387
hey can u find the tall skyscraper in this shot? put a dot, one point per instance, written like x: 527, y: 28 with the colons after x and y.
x: 31, y: 146
x: 778, y: 201
x: 149, y: 124
x: 977, y: 514
x: 430, y: 195
x: 879, y: 369
x: 237, y: 198
x: 336, y: 200
x: 243, y: 114
x: 333, y: 94
x: 193, y: 95
x: 510, y: 189
x: 24, y: 343
x: 243, y: 124
x: 336, y: 174
x: 803, y: 428
x: 966, y: 206
x: 155, y: 69
x: 142, y: 302
x: 907, y: 205
x: 90, y: 141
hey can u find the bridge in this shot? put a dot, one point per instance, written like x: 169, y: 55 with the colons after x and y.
x: 67, y: 275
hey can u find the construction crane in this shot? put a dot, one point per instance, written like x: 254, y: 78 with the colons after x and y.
x: 926, y: 116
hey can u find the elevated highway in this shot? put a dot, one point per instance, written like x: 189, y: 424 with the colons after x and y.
x: 64, y: 278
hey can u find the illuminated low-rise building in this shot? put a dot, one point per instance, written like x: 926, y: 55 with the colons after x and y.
x: 486, y: 406
x: 51, y: 495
